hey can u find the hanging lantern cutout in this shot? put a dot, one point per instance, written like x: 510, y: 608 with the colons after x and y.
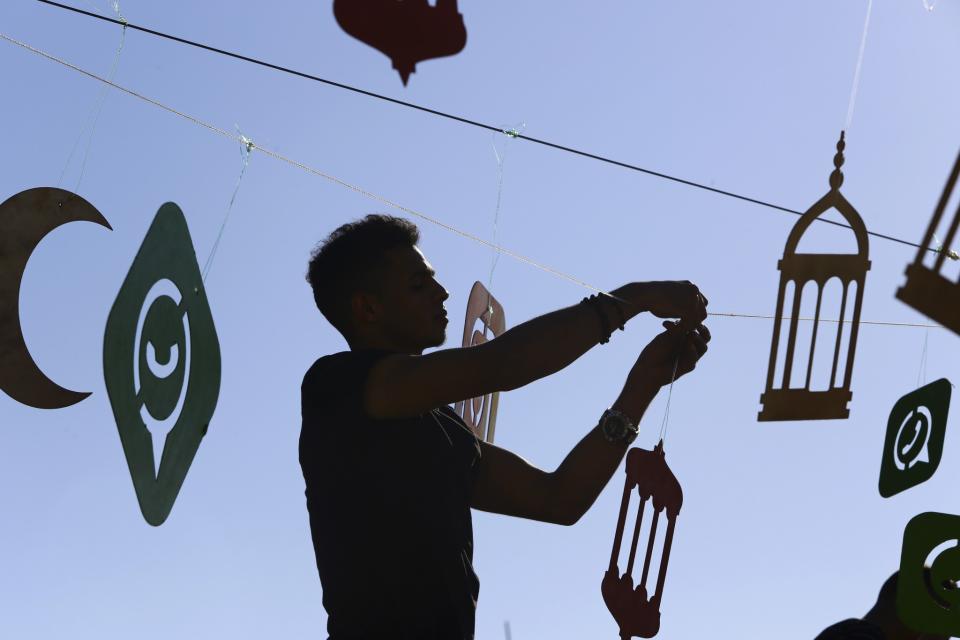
x: 407, y: 31
x: 926, y: 289
x: 481, y: 413
x: 636, y: 613
x: 781, y: 401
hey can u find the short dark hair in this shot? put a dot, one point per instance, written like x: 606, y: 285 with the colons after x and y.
x: 348, y: 261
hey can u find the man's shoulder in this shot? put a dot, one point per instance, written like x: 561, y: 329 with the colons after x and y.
x: 325, y: 363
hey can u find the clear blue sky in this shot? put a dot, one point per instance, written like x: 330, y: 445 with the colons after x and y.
x: 782, y: 530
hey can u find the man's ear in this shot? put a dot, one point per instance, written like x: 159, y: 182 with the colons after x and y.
x: 365, y: 308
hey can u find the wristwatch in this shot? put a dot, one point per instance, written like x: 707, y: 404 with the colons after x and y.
x: 617, y: 427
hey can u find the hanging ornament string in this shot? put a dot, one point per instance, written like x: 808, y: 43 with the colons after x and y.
x: 922, y: 373
x: 856, y: 74
x: 666, y: 412
x: 510, y: 134
x: 94, y: 117
x: 246, y: 147
x: 385, y: 201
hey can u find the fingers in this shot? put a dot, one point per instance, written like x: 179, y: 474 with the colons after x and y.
x: 693, y: 348
x: 695, y: 307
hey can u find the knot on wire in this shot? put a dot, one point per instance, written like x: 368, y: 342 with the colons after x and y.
x: 950, y: 253
x: 116, y: 9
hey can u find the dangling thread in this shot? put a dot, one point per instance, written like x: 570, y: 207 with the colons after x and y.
x: 922, y: 374
x: 666, y: 412
x: 856, y: 74
x: 246, y: 147
x: 511, y: 134
x: 97, y: 107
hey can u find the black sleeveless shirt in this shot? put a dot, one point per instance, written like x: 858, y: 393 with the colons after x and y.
x: 389, y: 504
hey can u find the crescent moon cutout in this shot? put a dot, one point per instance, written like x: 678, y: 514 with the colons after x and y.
x: 25, y: 219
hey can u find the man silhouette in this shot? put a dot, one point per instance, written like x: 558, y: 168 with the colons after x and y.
x: 392, y: 472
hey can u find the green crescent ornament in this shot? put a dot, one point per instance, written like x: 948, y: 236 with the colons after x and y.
x: 161, y: 362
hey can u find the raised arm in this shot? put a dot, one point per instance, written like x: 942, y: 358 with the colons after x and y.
x: 406, y: 385
x: 508, y: 484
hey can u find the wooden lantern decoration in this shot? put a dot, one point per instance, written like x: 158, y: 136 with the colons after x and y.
x: 481, y: 413
x: 785, y: 402
x: 926, y: 289
x: 635, y: 612
x: 407, y: 31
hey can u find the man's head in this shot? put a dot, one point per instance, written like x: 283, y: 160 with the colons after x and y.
x: 372, y: 283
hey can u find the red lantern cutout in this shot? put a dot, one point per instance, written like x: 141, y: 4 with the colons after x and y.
x: 407, y: 31
x: 635, y: 612
x: 481, y: 413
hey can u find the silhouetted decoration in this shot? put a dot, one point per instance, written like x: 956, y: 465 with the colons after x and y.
x: 782, y: 400
x: 930, y: 603
x: 25, y: 219
x: 407, y: 31
x: 915, y: 434
x: 637, y: 613
x: 481, y: 413
x: 161, y: 362
x: 927, y: 290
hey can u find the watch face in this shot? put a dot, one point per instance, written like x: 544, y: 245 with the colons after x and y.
x: 614, y: 426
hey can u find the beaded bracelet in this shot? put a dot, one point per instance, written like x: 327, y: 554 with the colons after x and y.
x: 595, y: 303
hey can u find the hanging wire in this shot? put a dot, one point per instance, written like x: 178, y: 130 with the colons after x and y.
x: 922, y: 373
x: 666, y: 412
x: 246, y: 146
x: 368, y: 194
x: 856, y: 74
x: 97, y: 108
x: 475, y: 123
x: 509, y: 133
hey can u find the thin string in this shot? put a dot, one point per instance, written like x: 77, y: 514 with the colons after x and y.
x: 97, y: 108
x: 245, y: 149
x: 666, y: 412
x: 922, y: 373
x: 510, y: 134
x: 385, y: 201
x: 856, y: 74
x: 475, y: 123
x: 718, y: 314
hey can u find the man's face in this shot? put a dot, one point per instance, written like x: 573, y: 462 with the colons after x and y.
x: 412, y: 315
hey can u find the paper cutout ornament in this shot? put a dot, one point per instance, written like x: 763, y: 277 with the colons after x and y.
x: 926, y: 289
x: 407, y: 31
x: 782, y: 401
x: 915, y: 435
x: 636, y: 613
x: 25, y: 219
x: 161, y: 362
x: 480, y: 414
x: 929, y: 603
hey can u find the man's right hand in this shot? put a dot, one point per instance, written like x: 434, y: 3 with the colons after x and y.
x: 679, y: 299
